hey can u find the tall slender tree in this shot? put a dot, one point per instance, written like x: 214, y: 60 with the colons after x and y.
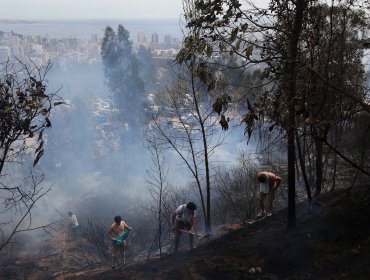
x: 121, y: 69
x: 191, y: 130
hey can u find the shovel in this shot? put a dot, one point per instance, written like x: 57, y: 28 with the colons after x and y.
x: 195, y: 234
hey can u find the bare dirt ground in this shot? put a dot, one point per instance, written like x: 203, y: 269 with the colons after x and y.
x: 331, y: 241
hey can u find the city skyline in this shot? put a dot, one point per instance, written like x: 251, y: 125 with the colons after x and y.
x: 41, y: 48
x: 89, y: 9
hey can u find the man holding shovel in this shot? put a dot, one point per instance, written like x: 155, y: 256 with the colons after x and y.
x: 183, y: 219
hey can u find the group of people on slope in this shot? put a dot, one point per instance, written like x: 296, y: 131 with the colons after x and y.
x: 183, y: 219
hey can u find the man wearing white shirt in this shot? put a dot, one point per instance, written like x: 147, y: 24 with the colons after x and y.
x: 73, y: 226
x: 183, y: 218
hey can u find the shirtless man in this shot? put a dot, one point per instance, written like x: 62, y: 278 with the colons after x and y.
x: 113, y: 232
x: 268, y: 184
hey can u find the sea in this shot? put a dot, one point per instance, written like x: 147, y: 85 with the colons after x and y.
x: 83, y: 29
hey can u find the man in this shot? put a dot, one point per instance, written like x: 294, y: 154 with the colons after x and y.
x: 184, y: 219
x: 268, y: 184
x: 73, y: 226
x: 114, y: 232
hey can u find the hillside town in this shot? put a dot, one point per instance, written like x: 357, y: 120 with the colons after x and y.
x: 42, y: 48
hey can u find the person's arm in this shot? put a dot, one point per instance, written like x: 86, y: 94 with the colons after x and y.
x: 173, y: 219
x: 127, y: 226
x: 277, y: 180
x: 257, y: 178
x: 193, y: 223
x: 109, y: 233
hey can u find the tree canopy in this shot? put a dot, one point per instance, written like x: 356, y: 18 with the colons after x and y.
x: 121, y: 69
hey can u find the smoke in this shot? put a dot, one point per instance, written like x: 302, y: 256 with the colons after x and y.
x: 90, y: 148
x: 96, y: 162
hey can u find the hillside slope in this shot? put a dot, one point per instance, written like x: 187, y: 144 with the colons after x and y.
x: 331, y: 241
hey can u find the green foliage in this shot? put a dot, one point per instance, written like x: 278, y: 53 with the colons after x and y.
x: 329, y: 51
x: 121, y: 68
x: 25, y: 108
x: 254, y: 114
x: 224, y: 122
x: 221, y: 103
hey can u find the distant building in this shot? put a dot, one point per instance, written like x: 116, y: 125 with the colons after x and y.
x: 18, y: 51
x: 155, y: 38
x: 141, y: 39
x: 94, y: 38
x: 4, y: 53
x: 71, y: 43
x: 167, y: 40
x: 34, y: 48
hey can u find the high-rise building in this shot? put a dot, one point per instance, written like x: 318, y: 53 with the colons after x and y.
x: 141, y: 39
x: 154, y: 38
x: 167, y: 40
x: 73, y: 43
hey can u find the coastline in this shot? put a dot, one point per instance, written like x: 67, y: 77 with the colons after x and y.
x: 84, y: 28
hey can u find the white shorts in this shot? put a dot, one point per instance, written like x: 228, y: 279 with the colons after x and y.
x: 264, y: 187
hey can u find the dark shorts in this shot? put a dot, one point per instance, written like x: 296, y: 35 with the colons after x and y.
x: 181, y: 225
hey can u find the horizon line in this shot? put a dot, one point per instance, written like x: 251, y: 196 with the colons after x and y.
x: 115, y: 19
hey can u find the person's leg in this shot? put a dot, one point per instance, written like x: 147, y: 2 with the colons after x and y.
x: 261, y: 203
x: 122, y: 254
x: 77, y: 232
x: 179, y: 226
x: 114, y: 255
x: 70, y: 233
x: 191, y: 237
x: 270, y: 201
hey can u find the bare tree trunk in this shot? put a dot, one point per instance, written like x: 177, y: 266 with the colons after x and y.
x: 291, y: 171
x: 334, y: 172
x: 303, y: 167
x: 319, y: 166
x: 157, y: 179
x: 292, y: 75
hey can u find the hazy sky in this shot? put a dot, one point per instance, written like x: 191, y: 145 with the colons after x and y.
x: 89, y: 9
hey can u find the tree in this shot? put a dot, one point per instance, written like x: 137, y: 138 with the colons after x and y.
x: 294, y: 20
x: 25, y: 107
x: 186, y: 123
x: 157, y: 181
x: 148, y: 67
x: 121, y: 69
x: 335, y: 56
